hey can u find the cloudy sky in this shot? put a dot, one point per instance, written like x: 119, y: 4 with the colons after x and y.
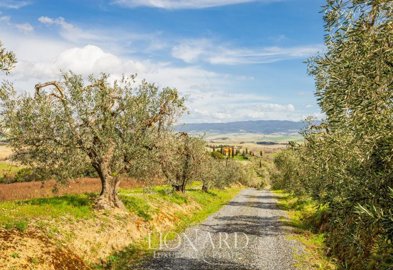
x: 232, y: 59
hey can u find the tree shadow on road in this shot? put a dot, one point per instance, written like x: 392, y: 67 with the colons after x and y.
x: 260, y: 205
x: 250, y: 225
x: 192, y: 264
x: 259, y: 197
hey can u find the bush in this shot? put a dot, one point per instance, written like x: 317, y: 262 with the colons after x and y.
x: 217, y: 155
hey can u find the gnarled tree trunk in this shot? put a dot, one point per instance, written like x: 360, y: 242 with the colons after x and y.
x: 108, y: 198
x: 181, y: 187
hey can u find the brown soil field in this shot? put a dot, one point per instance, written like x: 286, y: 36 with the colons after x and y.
x: 30, y: 190
x: 5, y: 152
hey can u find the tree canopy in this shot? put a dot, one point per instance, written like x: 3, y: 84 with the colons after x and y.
x: 71, y: 125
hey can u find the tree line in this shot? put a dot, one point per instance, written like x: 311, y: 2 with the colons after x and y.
x: 346, y: 162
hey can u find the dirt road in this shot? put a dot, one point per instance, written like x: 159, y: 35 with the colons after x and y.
x: 245, y: 234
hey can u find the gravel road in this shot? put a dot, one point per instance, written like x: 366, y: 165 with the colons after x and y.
x: 244, y: 234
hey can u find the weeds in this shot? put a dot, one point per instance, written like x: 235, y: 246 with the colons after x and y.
x: 307, y: 219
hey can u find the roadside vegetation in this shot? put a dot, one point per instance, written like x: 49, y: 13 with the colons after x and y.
x: 206, y: 203
x: 308, y: 220
x: 81, y: 128
x: 346, y: 162
x: 105, y: 240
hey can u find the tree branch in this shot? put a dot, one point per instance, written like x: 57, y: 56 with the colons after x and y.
x: 39, y: 86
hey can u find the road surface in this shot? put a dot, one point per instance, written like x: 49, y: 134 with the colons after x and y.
x: 246, y: 234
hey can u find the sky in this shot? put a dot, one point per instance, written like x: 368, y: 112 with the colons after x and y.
x: 233, y: 60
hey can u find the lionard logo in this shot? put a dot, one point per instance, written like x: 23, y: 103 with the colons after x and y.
x: 212, y: 248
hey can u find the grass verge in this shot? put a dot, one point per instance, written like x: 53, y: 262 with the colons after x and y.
x: 18, y: 214
x: 308, y: 220
x: 208, y: 203
x: 70, y: 220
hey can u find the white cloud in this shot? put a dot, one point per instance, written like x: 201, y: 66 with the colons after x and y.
x: 119, y: 40
x: 220, y: 106
x: 191, y: 51
x: 68, y: 31
x: 206, y: 98
x: 23, y: 27
x: 202, y: 50
x: 13, y: 4
x: 184, y: 4
x: 211, y: 96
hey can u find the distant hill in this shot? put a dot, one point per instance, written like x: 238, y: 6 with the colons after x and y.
x: 260, y: 127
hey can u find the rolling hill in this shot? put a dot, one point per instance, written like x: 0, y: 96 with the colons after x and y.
x: 260, y: 127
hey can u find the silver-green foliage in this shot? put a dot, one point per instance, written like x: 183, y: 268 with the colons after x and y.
x: 347, y: 161
x: 68, y: 126
x: 7, y: 60
x: 182, y: 158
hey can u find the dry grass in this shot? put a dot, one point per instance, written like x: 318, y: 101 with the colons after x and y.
x: 99, y: 238
x: 30, y: 190
x: 32, y: 250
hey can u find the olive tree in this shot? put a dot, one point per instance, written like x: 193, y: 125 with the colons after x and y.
x: 182, y: 159
x: 346, y: 162
x: 74, y: 124
x: 7, y: 60
x: 7, y: 63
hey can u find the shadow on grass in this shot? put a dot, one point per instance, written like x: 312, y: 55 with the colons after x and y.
x: 139, y: 206
x: 70, y: 200
x: 209, y: 192
x: 125, y: 259
x: 173, y: 196
x: 304, y: 214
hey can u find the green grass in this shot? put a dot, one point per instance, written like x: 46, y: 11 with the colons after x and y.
x: 7, y: 169
x: 240, y: 158
x: 209, y: 202
x: 144, y: 202
x: 138, y: 205
x: 307, y: 218
x: 17, y: 214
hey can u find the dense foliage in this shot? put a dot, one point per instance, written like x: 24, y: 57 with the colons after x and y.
x: 346, y: 162
x: 181, y: 159
x: 68, y: 127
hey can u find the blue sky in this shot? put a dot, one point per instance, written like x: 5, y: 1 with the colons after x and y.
x: 232, y: 59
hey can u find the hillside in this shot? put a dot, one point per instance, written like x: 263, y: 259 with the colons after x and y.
x: 260, y: 127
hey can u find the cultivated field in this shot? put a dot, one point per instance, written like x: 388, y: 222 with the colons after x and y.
x: 30, y: 190
x: 253, y: 142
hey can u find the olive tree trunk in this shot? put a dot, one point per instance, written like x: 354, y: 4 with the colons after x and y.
x: 108, y: 198
x: 181, y: 187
